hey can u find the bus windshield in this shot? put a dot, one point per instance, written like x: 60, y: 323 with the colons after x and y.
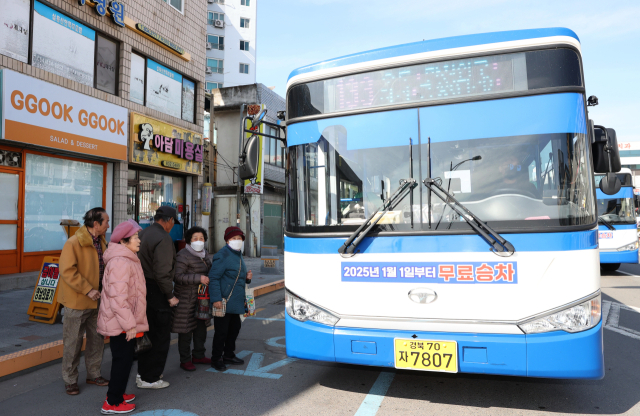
x: 522, y: 182
x: 617, y: 210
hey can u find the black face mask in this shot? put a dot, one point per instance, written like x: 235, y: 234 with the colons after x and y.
x: 511, y: 174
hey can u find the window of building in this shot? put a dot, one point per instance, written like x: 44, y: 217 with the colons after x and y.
x: 90, y: 58
x: 213, y: 16
x: 217, y: 42
x: 106, y: 65
x: 245, y: 2
x: 216, y: 65
x: 14, y: 37
x: 213, y: 85
x: 176, y: 4
x: 244, y: 68
x: 161, y: 88
x: 244, y: 45
x: 244, y: 22
x: 274, y: 150
x: 55, y: 189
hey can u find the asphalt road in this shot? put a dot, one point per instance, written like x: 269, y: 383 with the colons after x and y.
x: 272, y: 384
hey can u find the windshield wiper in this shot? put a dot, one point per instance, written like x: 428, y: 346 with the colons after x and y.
x: 606, y: 223
x: 406, y: 186
x: 495, y: 240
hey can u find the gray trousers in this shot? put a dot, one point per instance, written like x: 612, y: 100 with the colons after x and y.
x: 76, y: 323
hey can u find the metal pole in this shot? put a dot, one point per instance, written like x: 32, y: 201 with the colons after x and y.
x: 237, y: 172
x: 210, y: 170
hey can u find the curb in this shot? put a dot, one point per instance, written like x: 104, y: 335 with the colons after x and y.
x: 268, y: 288
x: 32, y: 357
x: 18, y: 281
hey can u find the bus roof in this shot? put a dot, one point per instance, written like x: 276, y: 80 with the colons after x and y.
x: 435, y: 45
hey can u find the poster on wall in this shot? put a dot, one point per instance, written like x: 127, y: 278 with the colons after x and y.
x: 254, y: 185
x: 137, y: 79
x: 164, y: 89
x: 161, y: 145
x: 14, y: 29
x: 62, y: 46
x: 188, y: 99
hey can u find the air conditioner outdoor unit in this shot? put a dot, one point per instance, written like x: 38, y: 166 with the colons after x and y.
x: 208, y: 45
x: 218, y: 23
x: 208, y: 71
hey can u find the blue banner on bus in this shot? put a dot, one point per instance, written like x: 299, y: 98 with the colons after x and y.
x: 451, y: 272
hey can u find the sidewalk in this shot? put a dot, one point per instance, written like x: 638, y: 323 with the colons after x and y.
x: 18, y: 334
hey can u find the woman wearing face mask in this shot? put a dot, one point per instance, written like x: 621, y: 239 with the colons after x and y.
x: 228, y: 276
x: 192, y: 268
x: 123, y: 311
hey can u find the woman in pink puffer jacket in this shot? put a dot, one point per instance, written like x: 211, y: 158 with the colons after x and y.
x: 123, y: 311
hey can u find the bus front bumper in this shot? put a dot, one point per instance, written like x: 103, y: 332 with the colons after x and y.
x: 555, y: 354
x: 630, y: 256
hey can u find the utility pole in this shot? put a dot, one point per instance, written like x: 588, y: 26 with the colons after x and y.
x: 242, y: 106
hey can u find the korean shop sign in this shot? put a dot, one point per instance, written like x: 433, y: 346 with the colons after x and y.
x: 161, y: 145
x: 37, y: 112
x: 114, y: 8
x: 143, y: 28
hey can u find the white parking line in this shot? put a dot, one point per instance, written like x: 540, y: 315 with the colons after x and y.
x: 628, y: 274
x: 611, y: 318
x: 373, y: 400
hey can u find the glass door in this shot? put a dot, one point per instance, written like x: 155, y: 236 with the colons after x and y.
x: 10, y: 221
x: 132, y: 192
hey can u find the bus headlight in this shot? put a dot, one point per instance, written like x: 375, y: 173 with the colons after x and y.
x: 629, y: 247
x: 302, y: 310
x: 574, y: 319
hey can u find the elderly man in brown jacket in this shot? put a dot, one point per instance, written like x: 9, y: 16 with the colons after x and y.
x: 81, y: 271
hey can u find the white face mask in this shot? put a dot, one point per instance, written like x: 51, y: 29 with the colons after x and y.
x: 236, y: 244
x: 197, y: 245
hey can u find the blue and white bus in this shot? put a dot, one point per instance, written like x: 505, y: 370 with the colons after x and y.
x: 441, y: 210
x: 617, y: 227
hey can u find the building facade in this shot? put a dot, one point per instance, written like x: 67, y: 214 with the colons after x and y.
x: 630, y: 158
x: 101, y: 104
x: 262, y: 203
x: 231, y: 43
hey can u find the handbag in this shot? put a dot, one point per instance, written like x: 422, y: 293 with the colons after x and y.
x: 143, y: 344
x: 203, y: 305
x: 221, y: 312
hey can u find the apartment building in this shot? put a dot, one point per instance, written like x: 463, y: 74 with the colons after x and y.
x: 101, y: 104
x: 231, y: 43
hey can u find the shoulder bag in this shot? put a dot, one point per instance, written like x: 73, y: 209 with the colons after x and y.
x: 221, y: 312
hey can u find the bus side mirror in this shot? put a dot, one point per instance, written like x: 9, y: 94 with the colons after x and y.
x: 610, y: 184
x: 606, y: 157
x: 250, y: 158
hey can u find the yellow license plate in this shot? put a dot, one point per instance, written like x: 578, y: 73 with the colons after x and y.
x: 426, y: 355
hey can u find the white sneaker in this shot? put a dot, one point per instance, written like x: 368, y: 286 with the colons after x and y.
x: 160, y: 384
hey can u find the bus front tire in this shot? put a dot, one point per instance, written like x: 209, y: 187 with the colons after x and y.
x: 609, y: 267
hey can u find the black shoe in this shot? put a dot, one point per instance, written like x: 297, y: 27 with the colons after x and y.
x: 233, y: 360
x: 219, y: 365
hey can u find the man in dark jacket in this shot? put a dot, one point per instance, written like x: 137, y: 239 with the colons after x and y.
x: 158, y: 258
